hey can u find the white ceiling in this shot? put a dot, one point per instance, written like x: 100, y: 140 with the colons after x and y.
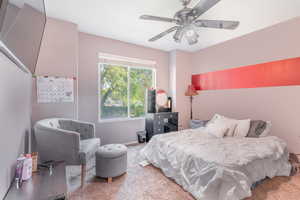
x: 119, y: 19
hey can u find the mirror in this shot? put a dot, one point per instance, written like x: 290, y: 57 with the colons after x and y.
x: 161, y: 99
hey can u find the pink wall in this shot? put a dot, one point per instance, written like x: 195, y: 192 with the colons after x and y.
x: 58, y: 57
x: 10, y: 15
x: 277, y: 104
x: 180, y: 78
x: 63, y: 46
x: 24, y: 34
x: 89, y: 48
x: 15, y: 111
x: 66, y: 52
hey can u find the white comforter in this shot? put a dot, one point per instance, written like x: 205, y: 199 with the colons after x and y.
x: 213, y: 168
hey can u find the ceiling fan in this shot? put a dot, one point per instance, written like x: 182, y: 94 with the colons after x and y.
x: 187, y: 21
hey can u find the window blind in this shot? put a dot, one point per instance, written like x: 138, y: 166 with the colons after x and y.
x: 121, y: 60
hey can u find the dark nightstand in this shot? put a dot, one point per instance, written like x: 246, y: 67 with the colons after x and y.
x: 159, y: 123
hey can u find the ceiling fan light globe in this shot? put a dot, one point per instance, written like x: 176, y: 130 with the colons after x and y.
x: 190, y: 33
x: 192, y: 42
x: 191, y: 36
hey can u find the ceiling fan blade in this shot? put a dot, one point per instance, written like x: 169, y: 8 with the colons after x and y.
x: 203, y: 6
x: 221, y: 24
x: 170, y: 30
x: 155, y: 18
x: 179, y: 34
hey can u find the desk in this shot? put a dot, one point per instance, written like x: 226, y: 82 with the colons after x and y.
x: 42, y: 186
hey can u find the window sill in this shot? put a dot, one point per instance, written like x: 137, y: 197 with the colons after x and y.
x: 102, y: 121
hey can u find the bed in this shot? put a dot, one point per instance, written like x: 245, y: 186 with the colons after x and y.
x: 214, y: 168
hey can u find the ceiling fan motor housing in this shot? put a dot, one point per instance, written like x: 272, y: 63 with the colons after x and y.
x: 184, y: 17
x: 185, y: 2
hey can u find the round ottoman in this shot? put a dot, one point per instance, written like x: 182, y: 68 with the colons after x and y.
x: 111, y: 161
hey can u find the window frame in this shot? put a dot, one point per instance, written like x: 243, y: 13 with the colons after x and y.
x: 128, y: 118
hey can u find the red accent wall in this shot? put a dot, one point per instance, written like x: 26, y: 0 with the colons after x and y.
x: 277, y: 73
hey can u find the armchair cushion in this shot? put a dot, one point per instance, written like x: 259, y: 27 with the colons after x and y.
x: 54, y: 123
x: 86, y: 130
x: 88, y: 149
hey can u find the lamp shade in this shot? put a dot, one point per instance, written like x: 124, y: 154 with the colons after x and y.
x: 191, y: 91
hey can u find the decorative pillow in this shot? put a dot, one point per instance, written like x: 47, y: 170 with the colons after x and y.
x: 257, y: 127
x: 242, y: 128
x: 198, y: 123
x: 215, y: 117
x: 222, y: 121
x: 230, y: 124
x: 267, y: 130
x: 216, y: 130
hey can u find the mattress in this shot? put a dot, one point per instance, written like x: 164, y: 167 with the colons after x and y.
x: 213, y: 168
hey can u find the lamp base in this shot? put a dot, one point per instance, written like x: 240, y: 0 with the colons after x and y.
x: 191, y: 99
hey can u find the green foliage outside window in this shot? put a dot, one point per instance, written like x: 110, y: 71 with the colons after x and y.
x: 123, y: 91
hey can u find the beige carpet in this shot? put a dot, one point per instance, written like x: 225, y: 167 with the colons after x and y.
x: 150, y: 184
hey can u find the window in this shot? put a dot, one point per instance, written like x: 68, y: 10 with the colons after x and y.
x: 123, y: 90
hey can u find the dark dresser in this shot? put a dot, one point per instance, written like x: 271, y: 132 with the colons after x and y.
x: 158, y: 123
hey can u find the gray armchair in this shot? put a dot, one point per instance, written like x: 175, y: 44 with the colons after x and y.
x: 69, y: 140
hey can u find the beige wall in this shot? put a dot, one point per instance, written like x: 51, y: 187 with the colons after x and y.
x: 277, y: 104
x: 58, y: 57
x: 89, y: 48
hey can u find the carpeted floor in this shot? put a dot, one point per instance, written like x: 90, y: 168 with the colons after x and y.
x: 149, y: 183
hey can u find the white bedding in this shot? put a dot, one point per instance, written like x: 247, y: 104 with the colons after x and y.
x: 213, y: 168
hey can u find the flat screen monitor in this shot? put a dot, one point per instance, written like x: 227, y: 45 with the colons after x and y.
x: 22, y: 24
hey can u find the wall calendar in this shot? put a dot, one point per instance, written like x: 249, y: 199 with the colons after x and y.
x: 55, y: 89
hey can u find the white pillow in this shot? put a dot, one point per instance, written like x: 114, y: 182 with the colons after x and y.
x: 230, y: 124
x: 242, y: 128
x: 216, y: 130
x: 220, y: 120
x: 214, y: 118
x: 266, y: 132
x: 238, y: 128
